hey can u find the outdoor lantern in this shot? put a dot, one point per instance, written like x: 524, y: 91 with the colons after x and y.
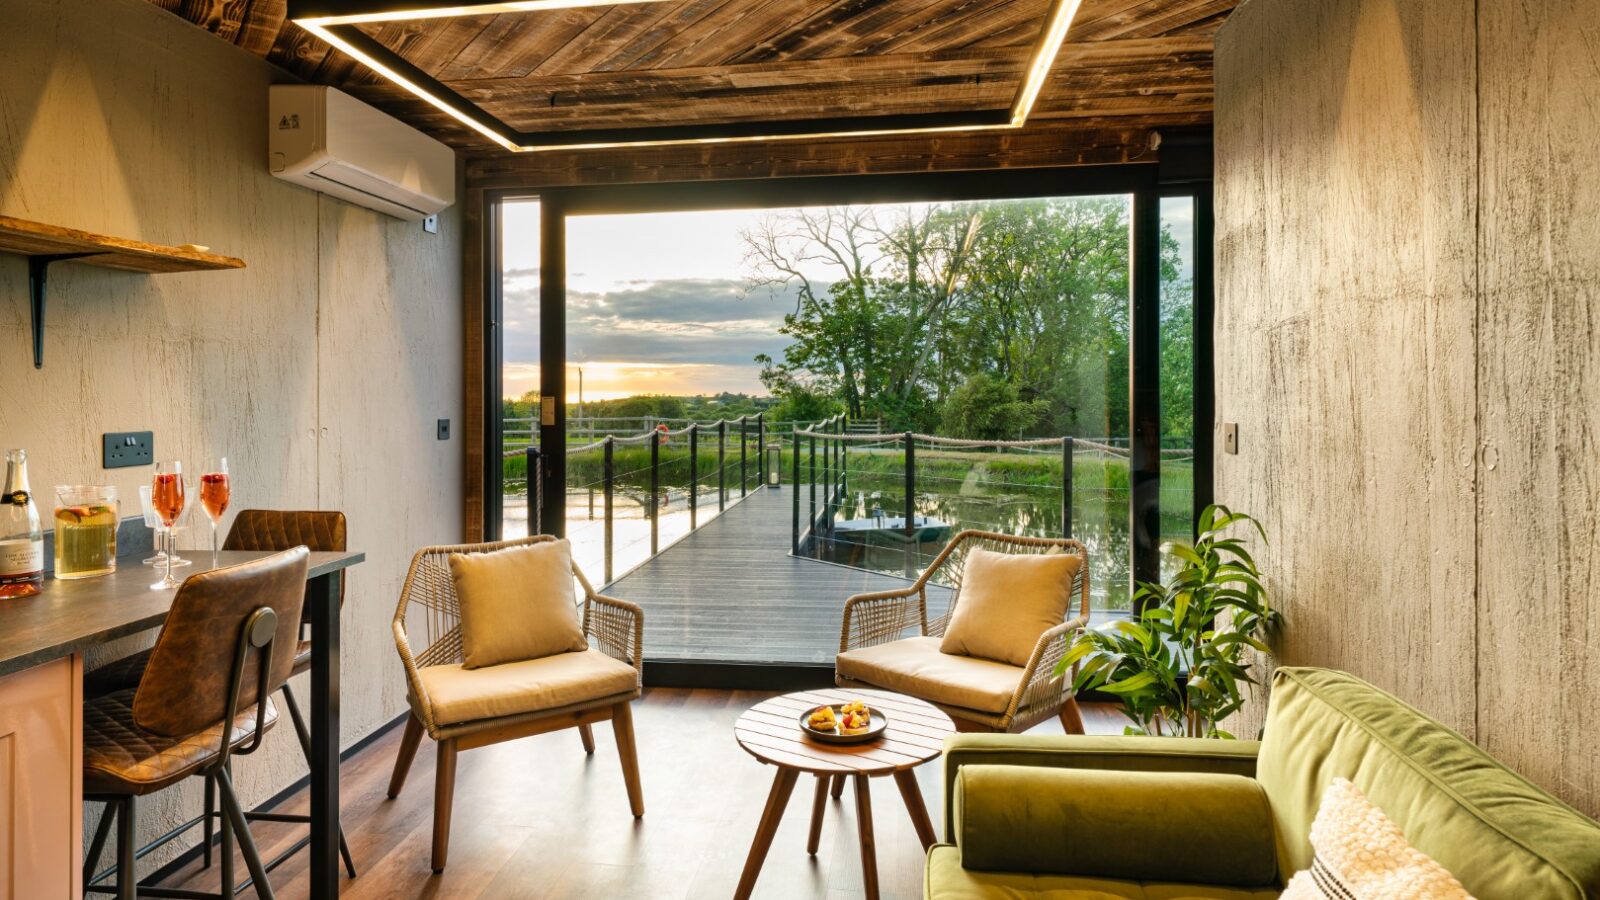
x: 775, y: 465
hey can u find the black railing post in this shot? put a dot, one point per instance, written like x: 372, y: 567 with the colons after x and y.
x: 694, y: 473
x: 722, y: 464
x: 827, y: 489
x: 811, y: 481
x: 535, y: 490
x: 794, y: 491
x: 1066, y: 487
x: 911, y: 505
x: 761, y: 449
x: 655, y: 488
x: 844, y: 461
x: 744, y: 475
x: 609, y: 474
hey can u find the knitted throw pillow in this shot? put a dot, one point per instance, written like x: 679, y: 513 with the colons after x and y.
x: 1361, y: 854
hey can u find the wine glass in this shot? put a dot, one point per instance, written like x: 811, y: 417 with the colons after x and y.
x: 214, y: 493
x: 166, y: 497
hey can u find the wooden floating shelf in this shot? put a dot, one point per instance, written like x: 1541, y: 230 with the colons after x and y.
x: 38, y: 239
x: 46, y: 244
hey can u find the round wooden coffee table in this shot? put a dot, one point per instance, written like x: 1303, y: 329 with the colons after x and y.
x: 770, y: 732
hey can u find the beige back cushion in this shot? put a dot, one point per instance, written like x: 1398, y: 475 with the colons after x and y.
x: 517, y: 604
x: 1007, y: 601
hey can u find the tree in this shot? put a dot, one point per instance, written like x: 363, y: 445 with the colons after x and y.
x: 986, y: 408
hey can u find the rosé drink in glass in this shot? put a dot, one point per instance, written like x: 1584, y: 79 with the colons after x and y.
x: 215, y: 489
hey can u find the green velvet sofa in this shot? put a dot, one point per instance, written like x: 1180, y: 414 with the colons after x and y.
x: 1086, y: 818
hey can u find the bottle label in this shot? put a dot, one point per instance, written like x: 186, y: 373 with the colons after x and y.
x: 17, y: 498
x: 21, y: 561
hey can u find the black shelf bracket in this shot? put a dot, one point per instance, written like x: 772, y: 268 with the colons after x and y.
x: 38, y: 273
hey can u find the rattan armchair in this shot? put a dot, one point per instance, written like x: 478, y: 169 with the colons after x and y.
x: 885, y: 617
x: 614, y: 627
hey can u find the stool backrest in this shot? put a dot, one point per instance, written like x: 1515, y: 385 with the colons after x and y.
x: 319, y: 530
x: 185, y: 686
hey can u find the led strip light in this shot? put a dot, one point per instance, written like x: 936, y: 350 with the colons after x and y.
x: 334, y: 21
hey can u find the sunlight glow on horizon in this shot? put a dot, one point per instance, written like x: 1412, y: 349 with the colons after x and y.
x: 609, y: 380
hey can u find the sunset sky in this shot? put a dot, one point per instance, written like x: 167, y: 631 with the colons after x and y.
x: 656, y: 303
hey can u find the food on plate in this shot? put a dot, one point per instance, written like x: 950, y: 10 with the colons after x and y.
x: 823, y: 719
x: 848, y: 718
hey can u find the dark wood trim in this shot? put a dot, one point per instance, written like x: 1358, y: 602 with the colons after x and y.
x: 493, y: 354
x: 1205, y: 373
x: 1144, y: 367
x: 553, y: 362
x: 1041, y: 146
x: 475, y: 280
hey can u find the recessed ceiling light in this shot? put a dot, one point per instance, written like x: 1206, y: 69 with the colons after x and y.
x: 336, y: 21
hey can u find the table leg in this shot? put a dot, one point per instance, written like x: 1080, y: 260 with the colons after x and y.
x: 323, y: 599
x: 907, y: 780
x: 777, y: 799
x: 869, y: 849
x: 818, y: 804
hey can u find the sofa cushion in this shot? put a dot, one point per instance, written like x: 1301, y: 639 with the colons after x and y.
x: 1007, y: 601
x: 917, y: 667
x: 1196, y: 827
x: 517, y: 604
x: 459, y: 694
x: 1360, y: 852
x: 1496, y: 832
x: 947, y: 880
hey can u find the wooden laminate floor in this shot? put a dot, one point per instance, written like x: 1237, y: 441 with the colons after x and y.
x: 536, y: 819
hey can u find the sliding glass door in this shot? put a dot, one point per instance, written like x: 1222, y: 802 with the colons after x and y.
x: 749, y: 380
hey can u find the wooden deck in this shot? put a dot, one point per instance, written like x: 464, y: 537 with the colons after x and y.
x: 731, y: 592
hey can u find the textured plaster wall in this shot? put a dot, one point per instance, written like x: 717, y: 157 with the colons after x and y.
x: 1408, y: 291
x: 318, y: 370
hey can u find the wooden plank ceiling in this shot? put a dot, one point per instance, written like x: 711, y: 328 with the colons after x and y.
x: 1129, y: 66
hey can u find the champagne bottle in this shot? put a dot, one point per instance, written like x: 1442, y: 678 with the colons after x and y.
x: 21, y: 539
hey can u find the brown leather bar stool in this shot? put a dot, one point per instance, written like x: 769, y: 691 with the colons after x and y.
x: 270, y: 530
x: 205, y: 695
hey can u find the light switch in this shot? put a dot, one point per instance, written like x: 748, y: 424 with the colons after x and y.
x: 1230, y: 437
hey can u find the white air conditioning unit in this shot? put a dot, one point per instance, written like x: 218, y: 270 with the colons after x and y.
x: 331, y: 142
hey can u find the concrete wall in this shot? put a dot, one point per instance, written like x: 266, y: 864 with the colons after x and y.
x: 318, y: 370
x: 1408, y: 226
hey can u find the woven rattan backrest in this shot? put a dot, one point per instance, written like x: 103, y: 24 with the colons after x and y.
x: 952, y: 561
x: 430, y: 594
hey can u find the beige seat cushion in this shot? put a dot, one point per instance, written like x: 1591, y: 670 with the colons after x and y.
x: 517, y: 604
x: 459, y: 694
x: 915, y: 666
x: 1007, y: 601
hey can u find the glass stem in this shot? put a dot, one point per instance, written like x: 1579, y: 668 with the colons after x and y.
x: 172, y: 548
x: 213, y: 544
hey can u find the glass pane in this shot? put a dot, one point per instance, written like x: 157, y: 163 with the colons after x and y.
x: 519, y: 374
x: 1177, y: 373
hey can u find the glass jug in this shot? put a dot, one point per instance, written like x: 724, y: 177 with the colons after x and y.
x: 86, y: 530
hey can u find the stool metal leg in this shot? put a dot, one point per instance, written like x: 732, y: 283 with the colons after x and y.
x: 247, y: 844
x: 304, y: 734
x: 127, y: 846
x: 98, y: 845
x: 226, y: 851
x: 210, y: 824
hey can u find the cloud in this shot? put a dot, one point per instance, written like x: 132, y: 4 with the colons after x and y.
x: 698, y: 320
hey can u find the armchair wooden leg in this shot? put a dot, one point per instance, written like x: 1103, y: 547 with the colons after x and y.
x: 1071, y: 717
x: 408, y: 752
x: 586, y: 732
x: 444, y: 788
x: 622, y: 725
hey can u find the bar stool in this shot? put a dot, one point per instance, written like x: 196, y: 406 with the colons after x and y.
x: 270, y: 530
x: 204, y: 696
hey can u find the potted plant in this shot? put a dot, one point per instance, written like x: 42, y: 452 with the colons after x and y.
x: 1179, y: 664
